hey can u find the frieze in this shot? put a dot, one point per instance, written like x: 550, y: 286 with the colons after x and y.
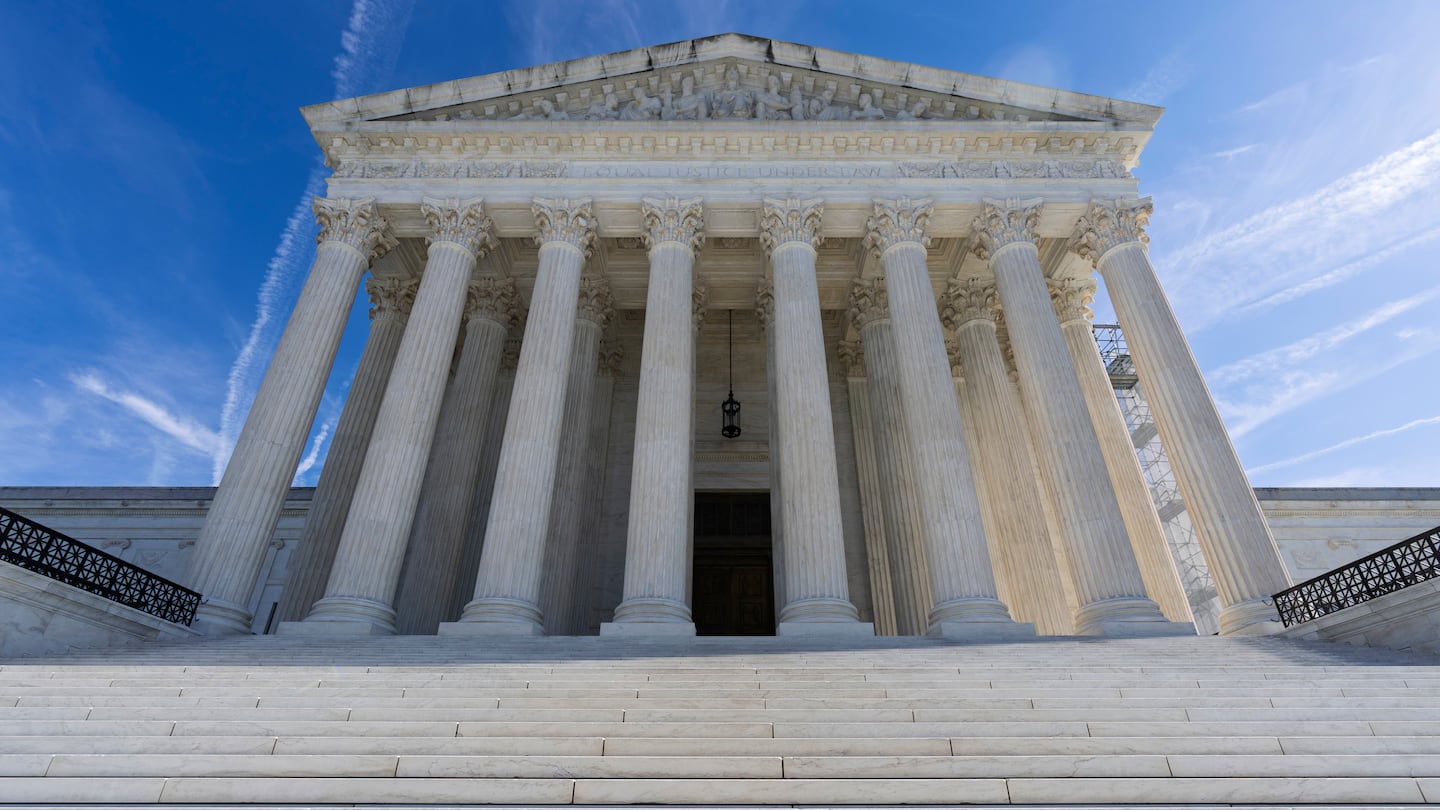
x: 929, y: 170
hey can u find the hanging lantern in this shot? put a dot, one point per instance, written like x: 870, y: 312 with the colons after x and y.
x: 730, y: 408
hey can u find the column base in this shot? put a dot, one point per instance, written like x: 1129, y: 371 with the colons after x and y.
x: 653, y: 610
x: 639, y: 629
x: 1256, y: 617
x: 357, y: 610
x: 474, y: 628
x: 331, y: 628
x: 819, y: 610
x: 813, y: 629
x: 971, y: 610
x: 1109, y: 617
x: 497, y: 616
x: 217, y: 617
x: 980, y: 630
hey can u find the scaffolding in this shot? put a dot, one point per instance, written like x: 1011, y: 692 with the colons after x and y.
x: 1179, y: 534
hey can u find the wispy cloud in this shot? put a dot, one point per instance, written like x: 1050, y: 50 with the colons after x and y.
x: 1351, y: 442
x: 369, y: 46
x: 1226, y: 154
x: 183, y: 430
x: 1163, y: 79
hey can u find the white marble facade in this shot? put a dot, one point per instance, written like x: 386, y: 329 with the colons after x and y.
x: 556, y: 256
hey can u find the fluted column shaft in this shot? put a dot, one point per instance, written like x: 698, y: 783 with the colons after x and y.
x: 310, y: 564
x: 1147, y: 536
x: 447, y: 496
x: 872, y: 510
x: 765, y: 310
x: 962, y: 583
x: 230, y: 549
x: 816, y: 588
x: 567, y: 509
x: 1107, y: 579
x: 903, y: 519
x: 507, y: 587
x: 361, y: 589
x: 1016, y: 510
x: 1238, y: 546
x: 657, y: 544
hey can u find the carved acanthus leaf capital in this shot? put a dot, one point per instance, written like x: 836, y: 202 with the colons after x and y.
x: 852, y: 357
x: 699, y: 296
x: 612, y: 354
x: 897, y: 222
x: 494, y: 299
x: 595, y: 304
x: 354, y: 222
x: 568, y: 221
x: 1005, y: 222
x: 1072, y: 298
x: 391, y: 296
x: 790, y: 220
x: 462, y: 222
x: 673, y: 220
x: 952, y: 352
x: 765, y: 302
x: 1007, y: 349
x: 510, y: 358
x: 869, y: 302
x: 1109, y: 224
x: 966, y: 300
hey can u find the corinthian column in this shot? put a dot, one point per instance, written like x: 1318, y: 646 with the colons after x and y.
x: 816, y: 591
x: 872, y: 508
x: 765, y: 311
x: 390, y: 301
x: 962, y: 582
x: 507, y: 588
x: 231, y: 547
x: 899, y: 494
x: 1072, y: 298
x: 570, y: 505
x: 1107, y: 580
x: 1238, y: 546
x: 360, y: 593
x: 657, y: 547
x: 1020, y: 539
x: 432, y: 556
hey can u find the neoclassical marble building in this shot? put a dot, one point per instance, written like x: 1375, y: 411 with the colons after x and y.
x: 889, y: 266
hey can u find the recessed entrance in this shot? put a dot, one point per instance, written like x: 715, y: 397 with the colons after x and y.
x: 734, y: 593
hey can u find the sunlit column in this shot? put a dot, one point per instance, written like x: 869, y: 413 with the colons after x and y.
x: 765, y: 311
x: 872, y: 509
x: 359, y: 596
x: 507, y: 587
x: 1238, y: 546
x: 390, y: 301
x: 238, y: 527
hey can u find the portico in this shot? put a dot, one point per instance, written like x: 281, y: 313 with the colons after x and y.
x: 540, y: 398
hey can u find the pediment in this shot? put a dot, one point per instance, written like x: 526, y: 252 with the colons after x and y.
x: 727, y: 80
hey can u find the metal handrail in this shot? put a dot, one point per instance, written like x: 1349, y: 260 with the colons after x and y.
x: 1406, y: 563
x: 60, y: 557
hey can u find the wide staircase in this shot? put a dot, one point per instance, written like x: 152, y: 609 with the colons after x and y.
x: 425, y: 721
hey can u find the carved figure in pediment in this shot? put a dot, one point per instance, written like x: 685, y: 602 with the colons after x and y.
x: 773, y: 105
x: 545, y: 110
x: 733, y: 101
x: 606, y: 109
x: 692, y: 105
x: 823, y: 108
x: 868, y: 111
x: 642, y: 108
x: 916, y: 111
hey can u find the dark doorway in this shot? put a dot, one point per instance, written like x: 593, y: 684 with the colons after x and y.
x: 734, y: 594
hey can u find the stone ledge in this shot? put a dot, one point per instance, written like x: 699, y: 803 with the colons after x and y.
x: 1407, y: 619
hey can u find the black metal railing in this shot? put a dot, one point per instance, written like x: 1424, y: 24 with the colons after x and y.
x: 1386, y: 571
x: 33, y: 547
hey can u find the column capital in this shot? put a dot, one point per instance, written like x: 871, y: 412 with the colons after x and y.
x: 1072, y: 298
x: 966, y: 300
x: 897, y: 222
x: 510, y: 356
x: 852, y: 357
x: 952, y: 351
x: 1007, y: 349
x: 673, y: 220
x: 1006, y: 222
x: 564, y: 220
x: 790, y: 220
x: 765, y: 301
x: 460, y: 222
x: 869, y: 302
x: 494, y: 299
x: 612, y: 354
x: 355, y: 223
x: 699, y: 296
x: 595, y: 303
x: 1110, y: 224
x: 391, y: 296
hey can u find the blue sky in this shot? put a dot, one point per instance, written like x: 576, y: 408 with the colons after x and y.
x: 155, y: 177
